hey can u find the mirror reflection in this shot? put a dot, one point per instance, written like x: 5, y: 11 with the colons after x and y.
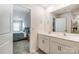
x: 67, y: 23
x: 75, y: 25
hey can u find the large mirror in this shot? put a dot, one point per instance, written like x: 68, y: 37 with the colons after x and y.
x: 66, y: 19
x: 68, y: 23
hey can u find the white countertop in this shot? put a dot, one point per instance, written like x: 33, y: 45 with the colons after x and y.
x: 68, y: 36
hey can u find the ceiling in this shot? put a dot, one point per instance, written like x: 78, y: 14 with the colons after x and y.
x: 21, y: 9
x: 45, y: 5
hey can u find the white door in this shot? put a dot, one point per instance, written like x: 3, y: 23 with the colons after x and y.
x: 4, y: 18
x: 5, y: 29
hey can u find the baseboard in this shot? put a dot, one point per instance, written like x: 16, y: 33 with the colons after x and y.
x: 21, y: 39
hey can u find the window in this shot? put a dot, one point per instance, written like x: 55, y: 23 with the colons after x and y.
x: 18, y: 26
x: 23, y: 25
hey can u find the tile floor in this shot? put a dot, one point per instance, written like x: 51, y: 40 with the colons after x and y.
x: 21, y: 47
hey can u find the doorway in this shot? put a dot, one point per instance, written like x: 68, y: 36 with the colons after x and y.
x: 21, y: 29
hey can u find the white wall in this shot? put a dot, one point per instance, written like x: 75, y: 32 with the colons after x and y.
x: 47, y: 22
x: 37, y: 16
x: 27, y: 19
x: 20, y: 15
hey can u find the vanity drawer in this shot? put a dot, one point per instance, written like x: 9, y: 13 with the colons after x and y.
x: 43, y: 43
x: 65, y: 42
x: 56, y: 48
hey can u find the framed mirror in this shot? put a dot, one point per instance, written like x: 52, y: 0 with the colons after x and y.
x: 68, y: 23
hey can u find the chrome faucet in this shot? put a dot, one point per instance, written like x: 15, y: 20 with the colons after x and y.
x: 64, y: 34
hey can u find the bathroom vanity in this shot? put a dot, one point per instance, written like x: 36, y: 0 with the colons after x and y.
x: 62, y: 40
x: 58, y: 43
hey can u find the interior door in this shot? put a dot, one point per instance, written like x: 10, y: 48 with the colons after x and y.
x: 4, y: 18
x: 5, y: 29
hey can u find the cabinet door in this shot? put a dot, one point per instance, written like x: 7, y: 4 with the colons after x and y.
x: 4, y: 38
x: 6, y: 48
x: 43, y: 43
x: 5, y: 10
x: 56, y: 47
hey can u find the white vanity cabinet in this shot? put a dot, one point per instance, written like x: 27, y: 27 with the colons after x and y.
x: 59, y: 47
x: 43, y: 43
x: 56, y: 45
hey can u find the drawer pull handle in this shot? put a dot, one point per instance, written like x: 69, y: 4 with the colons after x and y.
x: 59, y: 48
x: 43, y: 41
